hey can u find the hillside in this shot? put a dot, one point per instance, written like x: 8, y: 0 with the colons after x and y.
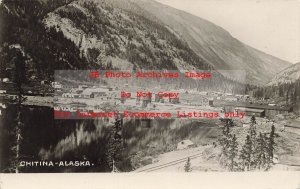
x: 107, y: 34
x: 192, y: 42
x: 288, y: 75
x: 94, y: 35
x: 125, y: 35
x: 215, y: 45
x: 85, y: 34
x: 44, y: 50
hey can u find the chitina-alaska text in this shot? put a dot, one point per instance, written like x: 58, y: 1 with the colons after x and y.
x: 54, y: 163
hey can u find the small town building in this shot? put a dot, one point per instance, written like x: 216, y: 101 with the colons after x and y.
x: 56, y: 108
x: 231, y: 99
x: 78, y: 105
x: 268, y: 111
x: 94, y: 92
x: 83, y: 86
x: 68, y: 109
x: 251, y: 111
x: 70, y: 95
x: 211, y: 102
x: 174, y: 100
x: 5, y: 80
x: 56, y: 85
x: 87, y: 94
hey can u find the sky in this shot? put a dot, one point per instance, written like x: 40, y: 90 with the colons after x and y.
x: 272, y: 26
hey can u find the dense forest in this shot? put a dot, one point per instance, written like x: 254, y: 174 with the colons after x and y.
x: 44, y: 49
x: 288, y: 92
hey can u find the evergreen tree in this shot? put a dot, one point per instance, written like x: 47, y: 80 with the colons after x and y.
x: 224, y: 140
x: 229, y: 123
x: 270, y: 147
x: 267, y: 155
x: 271, y: 142
x: 252, y: 134
x: 253, y: 120
x: 260, y: 152
x: 19, y: 78
x: 233, y: 154
x: 224, y: 143
x: 4, y: 59
x: 226, y: 130
x: 115, y: 147
x: 134, y: 69
x: 187, y: 166
x: 19, y: 74
x: 295, y: 95
x: 246, y: 154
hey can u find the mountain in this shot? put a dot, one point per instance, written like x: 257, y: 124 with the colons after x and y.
x: 80, y: 35
x: 215, y: 45
x: 120, y: 35
x: 104, y: 36
x: 44, y: 50
x: 288, y: 75
x: 124, y: 34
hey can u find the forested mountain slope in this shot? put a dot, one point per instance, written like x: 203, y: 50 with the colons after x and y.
x: 215, y: 45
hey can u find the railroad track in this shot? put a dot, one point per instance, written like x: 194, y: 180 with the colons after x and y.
x: 171, y: 163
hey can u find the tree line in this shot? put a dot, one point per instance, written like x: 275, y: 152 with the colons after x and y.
x: 256, y: 153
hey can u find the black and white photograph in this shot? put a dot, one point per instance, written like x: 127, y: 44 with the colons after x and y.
x: 149, y: 86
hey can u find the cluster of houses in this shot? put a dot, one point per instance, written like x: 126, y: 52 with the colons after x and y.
x: 193, y: 97
x: 84, y: 91
x: 55, y: 85
x: 154, y: 97
x: 229, y: 96
x: 220, y: 95
x: 74, y: 107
